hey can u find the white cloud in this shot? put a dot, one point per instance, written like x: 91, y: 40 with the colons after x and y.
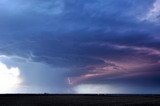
x: 35, y: 77
x: 9, y: 78
x: 153, y: 15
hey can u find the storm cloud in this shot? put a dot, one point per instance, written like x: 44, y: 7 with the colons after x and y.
x: 64, y: 46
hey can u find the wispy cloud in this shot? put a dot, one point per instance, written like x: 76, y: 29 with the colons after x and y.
x: 147, y: 50
x: 153, y: 14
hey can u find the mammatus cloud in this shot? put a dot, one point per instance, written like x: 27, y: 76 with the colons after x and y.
x: 9, y: 78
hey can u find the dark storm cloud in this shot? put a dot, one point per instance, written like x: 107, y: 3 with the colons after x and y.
x: 87, y: 37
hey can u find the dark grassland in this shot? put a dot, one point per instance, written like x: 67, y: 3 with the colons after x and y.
x: 78, y: 100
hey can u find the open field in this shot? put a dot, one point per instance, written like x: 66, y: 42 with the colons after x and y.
x: 78, y: 100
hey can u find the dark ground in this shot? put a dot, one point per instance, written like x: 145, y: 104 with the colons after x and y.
x: 78, y: 100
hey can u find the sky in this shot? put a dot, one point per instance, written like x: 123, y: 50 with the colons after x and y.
x: 80, y: 46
